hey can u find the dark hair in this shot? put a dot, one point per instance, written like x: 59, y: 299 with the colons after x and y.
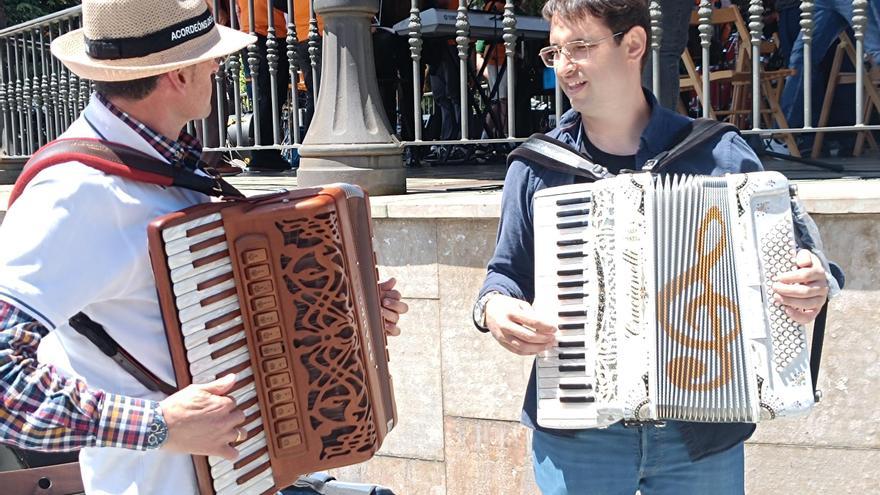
x: 135, y: 89
x: 618, y: 15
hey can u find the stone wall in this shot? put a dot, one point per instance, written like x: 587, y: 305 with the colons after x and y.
x: 459, y: 393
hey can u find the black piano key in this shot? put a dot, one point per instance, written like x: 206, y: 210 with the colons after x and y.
x: 573, y: 295
x: 572, y: 213
x: 573, y: 343
x: 577, y: 399
x: 571, y: 326
x: 572, y: 225
x: 566, y: 314
x: 572, y: 368
x: 568, y: 273
x: 575, y: 386
x: 574, y: 254
x: 570, y: 283
x: 571, y: 242
x: 573, y: 201
x: 572, y: 355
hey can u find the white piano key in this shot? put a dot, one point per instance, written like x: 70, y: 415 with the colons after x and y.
x: 257, y: 484
x: 243, y: 394
x: 187, y: 271
x: 196, y: 339
x: 206, y: 349
x: 195, y: 311
x: 185, y: 257
x: 214, y: 372
x: 257, y: 442
x: 179, y: 231
x: 206, y: 363
x: 555, y: 361
x: 555, y: 382
x: 194, y: 325
x: 229, y: 477
x: 197, y: 296
x: 190, y: 284
x: 245, y: 449
x: 184, y: 244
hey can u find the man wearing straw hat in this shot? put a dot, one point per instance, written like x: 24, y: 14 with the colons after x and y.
x: 75, y: 241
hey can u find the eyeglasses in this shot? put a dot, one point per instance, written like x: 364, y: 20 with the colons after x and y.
x: 574, y: 51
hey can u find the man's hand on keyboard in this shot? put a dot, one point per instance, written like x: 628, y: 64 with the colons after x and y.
x: 392, y: 306
x: 202, y: 420
x: 516, y: 326
x: 802, y: 291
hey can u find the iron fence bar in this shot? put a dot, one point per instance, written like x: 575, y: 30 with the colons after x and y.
x: 38, y: 94
x: 509, y: 24
x: 756, y: 28
x: 45, y: 61
x: 15, y: 115
x: 705, y: 28
x: 807, y: 35
x: 462, y: 31
x: 293, y: 122
x: 3, y: 104
x: 253, y: 61
x: 272, y: 61
x: 656, y: 14
x: 860, y: 22
x: 314, y: 52
x: 415, y: 50
x: 233, y: 63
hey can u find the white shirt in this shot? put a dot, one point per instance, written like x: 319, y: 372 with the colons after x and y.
x: 81, y: 245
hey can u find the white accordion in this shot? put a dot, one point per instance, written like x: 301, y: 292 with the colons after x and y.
x: 661, y: 290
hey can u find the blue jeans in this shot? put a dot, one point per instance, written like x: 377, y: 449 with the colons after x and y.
x: 619, y: 461
x: 830, y: 17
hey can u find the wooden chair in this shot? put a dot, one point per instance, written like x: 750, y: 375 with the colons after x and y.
x: 836, y: 78
x: 740, y: 79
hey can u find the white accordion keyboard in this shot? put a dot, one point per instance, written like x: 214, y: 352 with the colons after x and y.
x: 661, y: 294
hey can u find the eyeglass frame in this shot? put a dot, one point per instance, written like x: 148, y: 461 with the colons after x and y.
x: 564, y: 51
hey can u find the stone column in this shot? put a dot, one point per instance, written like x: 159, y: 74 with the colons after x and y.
x: 349, y: 139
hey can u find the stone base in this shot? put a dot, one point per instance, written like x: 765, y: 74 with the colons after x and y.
x: 10, y: 168
x: 379, y: 175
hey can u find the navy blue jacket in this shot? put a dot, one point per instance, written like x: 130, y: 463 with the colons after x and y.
x: 511, y: 269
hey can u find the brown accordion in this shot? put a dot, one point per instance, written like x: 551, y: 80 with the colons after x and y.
x: 280, y: 289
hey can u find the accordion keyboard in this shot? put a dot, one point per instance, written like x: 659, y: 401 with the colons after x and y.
x: 214, y: 337
x: 565, y: 375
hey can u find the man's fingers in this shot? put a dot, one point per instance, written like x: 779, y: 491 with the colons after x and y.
x: 395, y: 305
x: 814, y: 289
x: 220, y: 386
x: 511, y: 331
x: 387, y: 284
x: 802, y: 276
x: 227, y: 452
x: 530, y: 320
x: 392, y: 329
x: 521, y: 347
x: 800, y: 303
x: 803, y: 317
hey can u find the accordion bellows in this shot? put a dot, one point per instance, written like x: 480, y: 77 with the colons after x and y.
x: 280, y: 289
x: 661, y: 290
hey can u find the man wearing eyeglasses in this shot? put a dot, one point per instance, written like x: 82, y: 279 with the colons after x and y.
x: 597, y: 49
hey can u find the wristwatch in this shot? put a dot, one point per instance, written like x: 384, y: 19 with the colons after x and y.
x: 479, y: 312
x: 157, y: 433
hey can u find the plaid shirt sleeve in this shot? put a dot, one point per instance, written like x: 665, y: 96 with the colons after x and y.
x: 44, y: 411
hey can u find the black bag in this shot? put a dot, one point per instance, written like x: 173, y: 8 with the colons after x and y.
x: 324, y: 484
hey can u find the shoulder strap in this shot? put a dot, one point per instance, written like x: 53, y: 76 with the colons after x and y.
x: 117, y: 159
x: 696, y: 134
x: 555, y: 155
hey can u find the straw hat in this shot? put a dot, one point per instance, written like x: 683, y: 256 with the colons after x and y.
x: 130, y: 39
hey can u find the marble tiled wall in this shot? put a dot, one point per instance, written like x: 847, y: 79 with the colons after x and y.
x: 459, y: 393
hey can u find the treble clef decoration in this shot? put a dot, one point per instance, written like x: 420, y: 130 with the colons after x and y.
x: 686, y: 372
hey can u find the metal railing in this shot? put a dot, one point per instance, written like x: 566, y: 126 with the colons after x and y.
x: 39, y: 97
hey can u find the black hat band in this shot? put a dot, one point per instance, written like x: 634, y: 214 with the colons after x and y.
x: 119, y: 48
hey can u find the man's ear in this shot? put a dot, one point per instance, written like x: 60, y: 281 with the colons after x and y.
x: 177, y: 79
x: 636, y: 42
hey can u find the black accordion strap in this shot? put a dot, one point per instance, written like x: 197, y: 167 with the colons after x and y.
x: 816, y: 348
x: 697, y: 133
x: 555, y: 155
x: 96, y: 334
